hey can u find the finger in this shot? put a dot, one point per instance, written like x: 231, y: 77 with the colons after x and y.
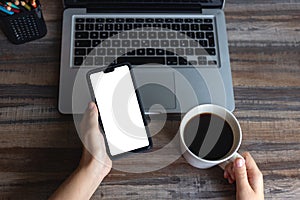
x: 241, y: 174
x: 254, y: 174
x: 229, y: 169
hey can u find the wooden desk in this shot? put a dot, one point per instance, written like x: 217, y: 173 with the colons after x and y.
x: 39, y: 147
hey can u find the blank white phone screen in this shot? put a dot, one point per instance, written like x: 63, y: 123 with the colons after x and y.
x: 119, y: 110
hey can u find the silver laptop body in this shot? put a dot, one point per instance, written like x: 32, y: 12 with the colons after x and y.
x: 167, y: 85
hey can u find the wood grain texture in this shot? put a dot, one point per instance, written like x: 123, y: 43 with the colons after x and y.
x: 39, y: 147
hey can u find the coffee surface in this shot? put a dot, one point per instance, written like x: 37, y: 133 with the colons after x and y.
x: 208, y: 136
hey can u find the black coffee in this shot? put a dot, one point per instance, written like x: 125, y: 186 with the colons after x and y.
x: 208, y: 136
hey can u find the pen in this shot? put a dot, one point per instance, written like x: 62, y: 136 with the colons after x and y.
x: 25, y: 5
x: 3, y: 9
x: 33, y: 3
x: 12, y: 5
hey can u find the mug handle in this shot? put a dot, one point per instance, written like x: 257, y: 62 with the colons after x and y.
x: 233, y: 157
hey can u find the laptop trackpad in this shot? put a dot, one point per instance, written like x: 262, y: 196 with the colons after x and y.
x: 156, y: 86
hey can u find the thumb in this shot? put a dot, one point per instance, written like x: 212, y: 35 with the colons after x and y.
x: 240, y: 174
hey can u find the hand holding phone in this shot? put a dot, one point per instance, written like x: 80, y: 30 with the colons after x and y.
x: 121, y: 115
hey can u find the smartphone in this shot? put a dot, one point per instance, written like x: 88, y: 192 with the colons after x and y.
x: 121, y: 115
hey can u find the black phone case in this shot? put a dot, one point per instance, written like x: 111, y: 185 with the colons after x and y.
x: 108, y: 69
x: 25, y: 26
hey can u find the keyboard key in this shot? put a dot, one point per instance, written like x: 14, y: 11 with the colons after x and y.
x: 78, y: 61
x: 141, y: 52
x: 203, y: 43
x: 211, y: 51
x: 206, y: 27
x: 191, y: 34
x: 179, y: 51
x: 101, y: 51
x: 103, y: 35
x: 125, y: 43
x: 152, y: 35
x: 109, y: 27
x: 184, y: 43
x: 189, y: 51
x: 91, y: 20
x: 174, y: 43
x: 80, y: 51
x: 176, y: 27
x: 194, y: 27
x: 149, y: 20
x: 101, y: 20
x: 188, y: 20
x: 171, y: 35
x: 142, y: 35
x: 142, y: 60
x: 202, y: 60
x: 172, y: 61
x: 91, y: 51
x: 182, y: 61
x: 178, y: 20
x: 200, y: 51
x: 133, y: 35
x: 170, y: 52
x: 159, y: 20
x: 145, y: 43
x: 198, y: 20
x: 130, y: 51
x: 80, y: 20
x: 129, y: 20
x: 185, y: 27
x: 89, y: 61
x: 94, y: 35
x: 193, y: 62
x: 121, y: 51
x: 150, y: 52
x: 154, y: 43
x: 89, y: 27
x: 127, y: 27
x: 199, y: 35
x: 99, y: 61
x: 116, y: 43
x: 82, y: 43
x: 135, y: 43
x: 212, y: 62
x: 160, y: 52
x: 99, y: 27
x: 169, y: 20
x: 123, y: 35
x: 96, y: 43
x: 81, y: 35
x: 161, y: 35
x: 140, y: 20
x: 118, y: 27
x: 207, y: 20
x: 120, y: 20
x: 111, y: 51
x: 109, y: 61
x: 106, y: 43
x: 79, y: 27
x: 110, y: 20
x: 194, y: 43
x: 164, y: 43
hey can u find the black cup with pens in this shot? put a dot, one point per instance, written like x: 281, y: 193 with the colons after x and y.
x: 22, y: 21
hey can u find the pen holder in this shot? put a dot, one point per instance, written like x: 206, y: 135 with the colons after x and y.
x: 24, y: 26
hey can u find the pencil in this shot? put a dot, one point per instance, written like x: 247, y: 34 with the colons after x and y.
x: 25, y: 5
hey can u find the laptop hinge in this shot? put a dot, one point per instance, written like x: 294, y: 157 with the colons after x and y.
x: 140, y: 8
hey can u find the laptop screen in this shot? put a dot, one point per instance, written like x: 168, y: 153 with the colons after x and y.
x: 204, y: 3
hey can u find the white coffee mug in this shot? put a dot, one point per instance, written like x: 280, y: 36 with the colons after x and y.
x: 226, y: 115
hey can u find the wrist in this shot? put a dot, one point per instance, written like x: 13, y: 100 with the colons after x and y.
x: 97, y: 169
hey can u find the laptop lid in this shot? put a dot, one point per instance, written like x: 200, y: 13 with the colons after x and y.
x: 145, y: 5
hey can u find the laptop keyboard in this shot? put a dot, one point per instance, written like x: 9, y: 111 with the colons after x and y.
x: 177, y: 42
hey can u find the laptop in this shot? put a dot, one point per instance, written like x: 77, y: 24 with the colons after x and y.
x: 178, y: 50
